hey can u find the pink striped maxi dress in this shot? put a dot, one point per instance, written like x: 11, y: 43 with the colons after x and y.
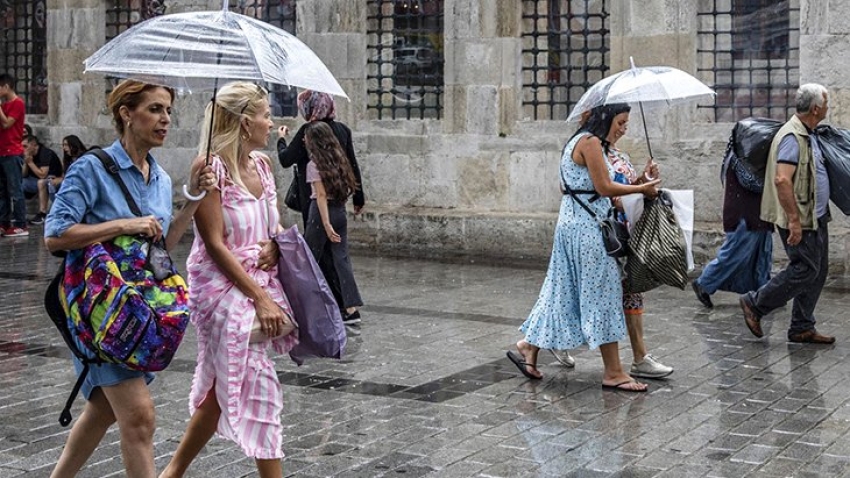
x: 244, y: 377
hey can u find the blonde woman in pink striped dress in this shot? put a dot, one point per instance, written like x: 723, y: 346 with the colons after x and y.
x: 233, y: 279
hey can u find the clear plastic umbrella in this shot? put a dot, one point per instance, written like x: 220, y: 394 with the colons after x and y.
x: 195, y: 50
x: 648, y: 85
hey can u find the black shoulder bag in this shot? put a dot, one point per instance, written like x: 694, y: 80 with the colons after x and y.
x: 615, y: 234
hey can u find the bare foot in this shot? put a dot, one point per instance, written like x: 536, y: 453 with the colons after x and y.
x: 625, y: 383
x: 529, y: 356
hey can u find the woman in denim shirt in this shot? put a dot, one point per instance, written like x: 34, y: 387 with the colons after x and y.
x: 90, y: 208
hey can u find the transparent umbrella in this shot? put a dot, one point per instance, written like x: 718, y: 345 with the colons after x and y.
x: 195, y: 50
x: 648, y: 85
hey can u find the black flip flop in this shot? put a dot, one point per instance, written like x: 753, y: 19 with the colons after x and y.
x: 619, y: 387
x: 520, y: 364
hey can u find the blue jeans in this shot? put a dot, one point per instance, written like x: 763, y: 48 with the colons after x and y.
x: 12, y: 207
x: 742, y: 263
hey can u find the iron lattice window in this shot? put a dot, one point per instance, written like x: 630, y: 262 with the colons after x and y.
x: 23, y: 50
x: 404, y: 75
x: 123, y: 14
x: 280, y: 13
x: 749, y: 52
x: 565, y: 49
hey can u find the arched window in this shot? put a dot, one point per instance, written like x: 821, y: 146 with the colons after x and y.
x: 280, y: 13
x: 565, y: 49
x: 23, y: 50
x: 404, y: 67
x: 749, y: 52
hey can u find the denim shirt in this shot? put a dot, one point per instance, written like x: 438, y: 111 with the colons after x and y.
x: 90, y: 195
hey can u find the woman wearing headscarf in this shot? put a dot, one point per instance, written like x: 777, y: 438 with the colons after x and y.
x: 317, y: 106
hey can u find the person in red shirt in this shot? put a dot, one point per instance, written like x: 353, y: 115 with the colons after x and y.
x: 13, y: 220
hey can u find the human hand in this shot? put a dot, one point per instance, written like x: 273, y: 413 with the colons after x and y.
x: 795, y: 232
x: 272, y: 319
x: 283, y: 131
x: 147, y: 226
x: 269, y: 254
x: 358, y: 210
x: 332, y: 235
x: 201, y: 177
x: 650, y: 188
x: 650, y: 171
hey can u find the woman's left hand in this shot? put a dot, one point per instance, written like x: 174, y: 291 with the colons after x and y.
x: 269, y: 255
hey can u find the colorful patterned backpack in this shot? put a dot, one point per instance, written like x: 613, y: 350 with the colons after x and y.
x: 123, y: 300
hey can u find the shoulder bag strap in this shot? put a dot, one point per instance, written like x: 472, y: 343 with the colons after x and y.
x: 112, y: 169
x: 575, y: 197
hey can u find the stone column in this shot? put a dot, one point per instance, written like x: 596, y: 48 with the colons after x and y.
x: 482, y: 66
x: 336, y: 31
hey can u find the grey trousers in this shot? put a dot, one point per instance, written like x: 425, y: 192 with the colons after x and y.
x: 333, y: 257
x: 801, y: 281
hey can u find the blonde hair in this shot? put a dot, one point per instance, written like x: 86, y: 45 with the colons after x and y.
x: 234, y: 102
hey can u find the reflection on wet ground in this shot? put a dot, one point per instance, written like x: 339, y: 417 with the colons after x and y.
x: 425, y: 388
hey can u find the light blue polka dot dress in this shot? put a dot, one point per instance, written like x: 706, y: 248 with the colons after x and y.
x: 581, y: 299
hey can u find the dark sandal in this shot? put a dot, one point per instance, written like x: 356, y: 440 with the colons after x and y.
x: 521, y: 365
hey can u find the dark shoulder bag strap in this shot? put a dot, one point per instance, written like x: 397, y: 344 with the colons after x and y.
x: 575, y: 197
x: 112, y: 169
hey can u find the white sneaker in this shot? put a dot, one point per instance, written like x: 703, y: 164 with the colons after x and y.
x: 564, y: 357
x: 650, y: 368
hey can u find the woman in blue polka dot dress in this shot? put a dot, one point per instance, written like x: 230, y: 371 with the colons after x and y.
x: 581, y: 299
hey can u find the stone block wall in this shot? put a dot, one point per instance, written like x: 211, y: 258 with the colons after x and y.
x: 483, y: 179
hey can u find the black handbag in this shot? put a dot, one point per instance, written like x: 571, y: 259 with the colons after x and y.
x: 615, y: 234
x: 293, y: 194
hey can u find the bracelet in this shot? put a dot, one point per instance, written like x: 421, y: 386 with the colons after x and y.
x: 189, y: 196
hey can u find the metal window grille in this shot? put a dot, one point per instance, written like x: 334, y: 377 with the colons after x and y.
x: 123, y: 14
x: 749, y: 52
x: 565, y: 49
x: 404, y: 68
x: 280, y: 13
x: 23, y: 50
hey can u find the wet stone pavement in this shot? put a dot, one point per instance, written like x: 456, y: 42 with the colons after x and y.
x: 426, y: 390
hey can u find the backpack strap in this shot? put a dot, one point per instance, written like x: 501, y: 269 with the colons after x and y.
x: 112, y: 169
x: 65, y: 416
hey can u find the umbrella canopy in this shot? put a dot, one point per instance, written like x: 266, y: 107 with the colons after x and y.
x: 653, y: 84
x: 195, y: 50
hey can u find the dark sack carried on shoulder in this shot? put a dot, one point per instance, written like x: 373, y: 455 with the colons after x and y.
x: 293, y: 194
x: 835, y: 147
x: 658, y: 250
x: 752, y: 138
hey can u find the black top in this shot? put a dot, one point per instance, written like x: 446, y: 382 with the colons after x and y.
x: 296, y: 153
x: 46, y: 157
x: 739, y: 202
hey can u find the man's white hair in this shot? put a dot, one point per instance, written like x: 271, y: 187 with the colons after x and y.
x: 810, y: 95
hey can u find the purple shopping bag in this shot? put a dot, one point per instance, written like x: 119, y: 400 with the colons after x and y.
x: 321, y: 332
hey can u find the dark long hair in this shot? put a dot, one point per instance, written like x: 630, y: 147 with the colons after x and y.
x: 599, y: 122
x: 324, y: 149
x: 77, y: 149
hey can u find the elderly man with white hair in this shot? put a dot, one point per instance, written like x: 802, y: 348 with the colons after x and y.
x: 795, y: 199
